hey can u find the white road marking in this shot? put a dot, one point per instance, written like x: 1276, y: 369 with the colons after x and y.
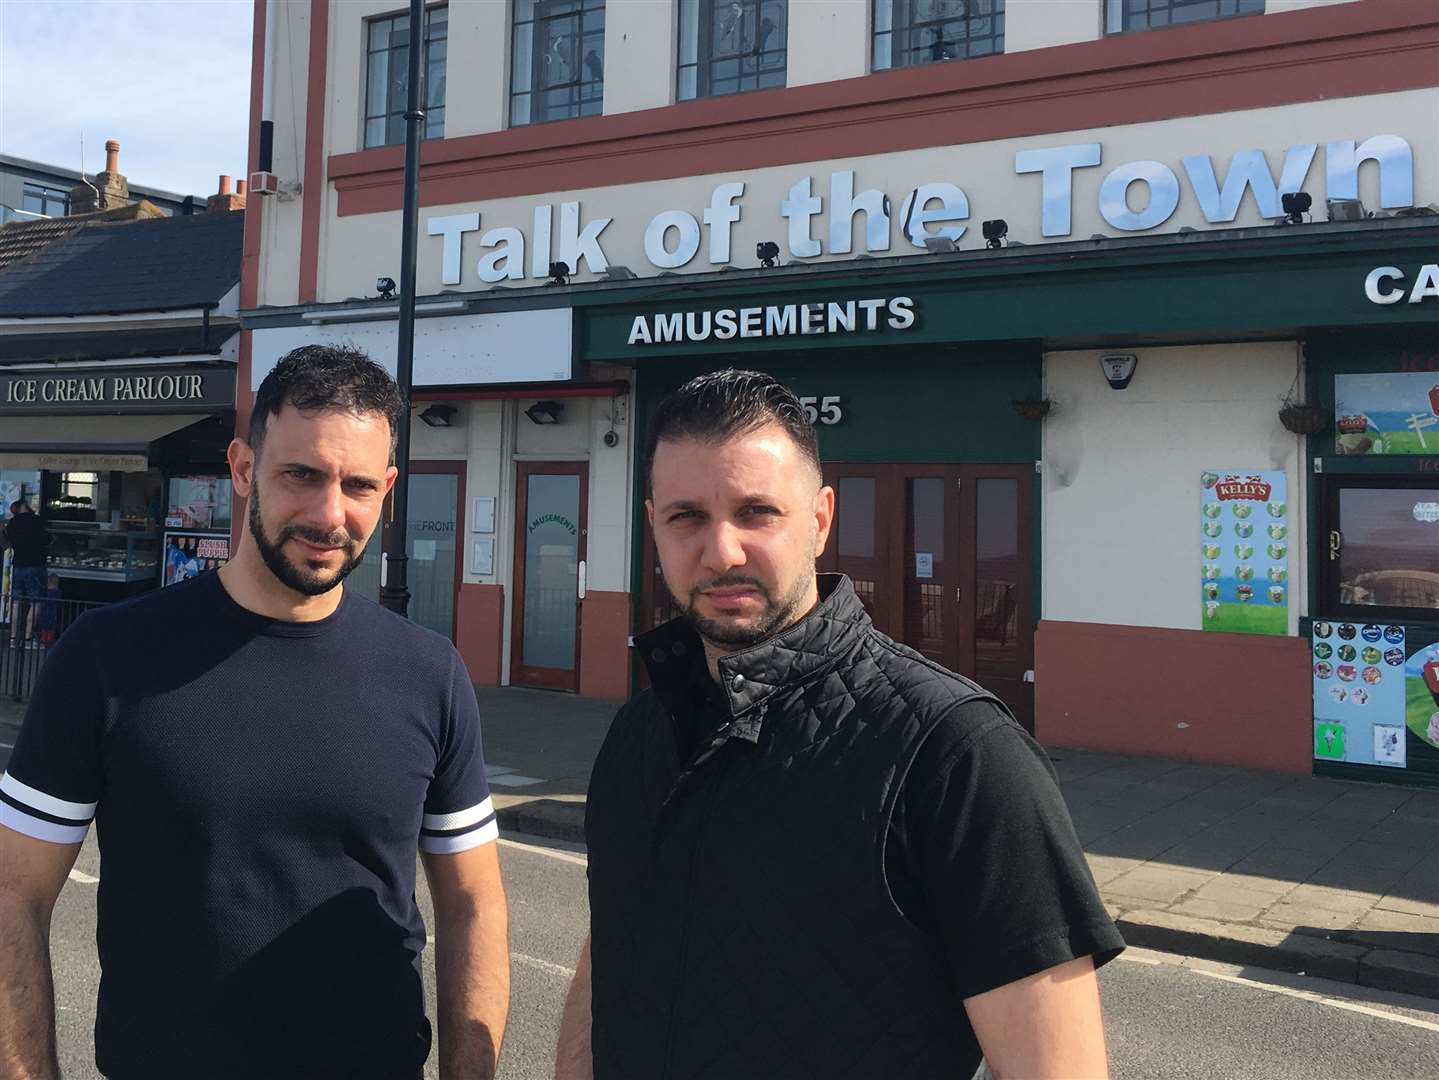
x: 1319, y: 999
x: 532, y: 961
x: 544, y: 965
x: 553, y: 853
x: 7, y: 746
x: 1139, y: 959
x: 514, y: 780
x: 83, y: 878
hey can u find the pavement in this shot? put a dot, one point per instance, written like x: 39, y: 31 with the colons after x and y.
x: 1329, y: 878
x: 1334, y: 879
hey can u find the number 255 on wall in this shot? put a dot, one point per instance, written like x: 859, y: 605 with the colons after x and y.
x: 827, y: 412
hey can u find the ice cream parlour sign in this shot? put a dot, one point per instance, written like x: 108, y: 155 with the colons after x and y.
x: 139, y: 389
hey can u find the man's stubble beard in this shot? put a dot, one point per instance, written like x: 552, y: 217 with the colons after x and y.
x: 304, y: 582
x: 779, y: 614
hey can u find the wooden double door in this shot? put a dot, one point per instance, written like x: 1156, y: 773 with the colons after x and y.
x: 942, y: 559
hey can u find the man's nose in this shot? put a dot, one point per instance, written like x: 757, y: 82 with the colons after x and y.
x: 723, y: 549
x: 330, y: 509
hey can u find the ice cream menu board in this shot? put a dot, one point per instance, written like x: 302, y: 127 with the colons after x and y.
x: 1390, y: 413
x: 1376, y: 695
x: 1244, y: 552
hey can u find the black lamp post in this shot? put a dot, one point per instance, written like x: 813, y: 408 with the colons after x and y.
x: 394, y: 590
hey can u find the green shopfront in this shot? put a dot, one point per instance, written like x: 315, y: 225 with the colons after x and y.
x: 972, y: 442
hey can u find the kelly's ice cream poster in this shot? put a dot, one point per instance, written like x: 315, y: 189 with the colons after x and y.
x: 1244, y: 552
x: 1392, y: 413
x: 1421, y: 704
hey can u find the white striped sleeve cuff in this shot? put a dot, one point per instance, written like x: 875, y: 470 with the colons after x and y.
x: 459, y: 830
x: 34, y: 813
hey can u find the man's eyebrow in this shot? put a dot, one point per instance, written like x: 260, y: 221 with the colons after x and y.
x: 680, y: 504
x: 363, y: 478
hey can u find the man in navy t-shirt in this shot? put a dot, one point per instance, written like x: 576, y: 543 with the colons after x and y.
x: 262, y: 753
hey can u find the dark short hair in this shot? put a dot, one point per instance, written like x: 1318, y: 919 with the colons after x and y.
x: 17, y: 504
x: 326, y: 378
x: 720, y: 405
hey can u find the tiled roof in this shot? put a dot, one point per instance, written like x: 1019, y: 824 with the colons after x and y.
x: 95, y: 265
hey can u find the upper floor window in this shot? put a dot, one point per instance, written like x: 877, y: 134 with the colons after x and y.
x: 1122, y: 16
x: 731, y: 45
x: 558, y: 60
x: 39, y: 199
x: 909, y: 32
x: 387, y: 77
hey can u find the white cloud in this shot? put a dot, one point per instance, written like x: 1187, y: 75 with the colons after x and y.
x: 169, y: 80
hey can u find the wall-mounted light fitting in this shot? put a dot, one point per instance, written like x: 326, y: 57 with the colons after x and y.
x: 385, y: 286
x: 559, y: 273
x: 1119, y: 368
x: 545, y: 412
x: 438, y: 415
x: 767, y: 252
x: 994, y: 232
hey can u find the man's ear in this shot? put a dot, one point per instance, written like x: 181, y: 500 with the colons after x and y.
x: 823, y: 518
x: 242, y: 466
x: 390, y: 474
x: 650, y: 512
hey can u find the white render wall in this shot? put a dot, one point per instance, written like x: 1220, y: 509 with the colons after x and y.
x: 828, y: 40
x: 1120, y: 519
x: 1038, y: 24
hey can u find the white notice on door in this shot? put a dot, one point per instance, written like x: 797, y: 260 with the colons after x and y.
x: 924, y: 564
x: 424, y: 551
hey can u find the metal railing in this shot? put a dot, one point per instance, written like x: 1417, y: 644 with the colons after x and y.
x: 29, y: 629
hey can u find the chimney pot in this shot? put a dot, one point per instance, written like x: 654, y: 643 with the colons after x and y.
x: 239, y: 187
x: 224, y: 184
x: 112, y: 156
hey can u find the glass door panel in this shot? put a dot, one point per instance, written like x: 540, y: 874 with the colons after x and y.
x: 550, y: 548
x: 1000, y: 573
x: 1383, y: 547
x: 859, y: 542
x: 430, y: 536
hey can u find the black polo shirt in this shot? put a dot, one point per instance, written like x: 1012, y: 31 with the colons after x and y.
x: 260, y: 788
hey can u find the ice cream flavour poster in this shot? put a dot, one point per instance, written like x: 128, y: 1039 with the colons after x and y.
x: 1244, y: 551
x: 1391, y: 413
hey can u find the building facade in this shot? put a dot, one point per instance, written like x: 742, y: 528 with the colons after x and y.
x: 1048, y: 273
x: 31, y: 189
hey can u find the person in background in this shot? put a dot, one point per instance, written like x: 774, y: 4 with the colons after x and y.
x: 47, y: 625
x: 28, y: 539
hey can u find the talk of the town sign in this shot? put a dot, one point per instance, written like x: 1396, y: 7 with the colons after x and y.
x: 934, y: 210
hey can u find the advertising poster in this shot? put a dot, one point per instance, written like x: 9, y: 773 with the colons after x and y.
x: 1244, y: 552
x: 1359, y: 693
x: 190, y: 554
x: 1390, y: 413
x: 1421, y: 701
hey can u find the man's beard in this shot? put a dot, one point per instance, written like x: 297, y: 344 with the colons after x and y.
x: 302, y: 579
x: 778, y: 614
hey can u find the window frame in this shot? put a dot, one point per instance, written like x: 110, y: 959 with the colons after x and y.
x: 897, y: 29
x: 705, y: 59
x: 1117, y: 14
x: 533, y: 91
x: 47, y: 195
x: 434, y: 129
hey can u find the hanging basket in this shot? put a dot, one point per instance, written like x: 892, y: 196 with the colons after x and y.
x: 1304, y: 419
x: 1033, y: 408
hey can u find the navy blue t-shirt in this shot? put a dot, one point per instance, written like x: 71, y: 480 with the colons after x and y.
x: 259, y: 788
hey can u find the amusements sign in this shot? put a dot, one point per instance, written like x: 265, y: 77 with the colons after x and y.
x: 1376, y: 696
x: 1244, y: 552
x: 1391, y: 413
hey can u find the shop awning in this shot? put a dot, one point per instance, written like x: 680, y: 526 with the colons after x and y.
x: 93, y: 443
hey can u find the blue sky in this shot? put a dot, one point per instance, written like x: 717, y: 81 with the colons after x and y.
x: 170, y: 79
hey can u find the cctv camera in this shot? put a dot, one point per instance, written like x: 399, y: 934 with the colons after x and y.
x: 612, y: 438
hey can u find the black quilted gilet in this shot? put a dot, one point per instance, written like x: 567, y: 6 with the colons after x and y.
x: 742, y: 925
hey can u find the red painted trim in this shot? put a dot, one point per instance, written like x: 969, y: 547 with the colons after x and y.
x: 515, y: 393
x: 1227, y: 699
x: 604, y: 646
x: 479, y: 628
x: 314, y: 194
x: 1346, y: 50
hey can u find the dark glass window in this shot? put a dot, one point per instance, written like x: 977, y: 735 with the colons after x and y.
x: 1124, y: 16
x: 39, y: 199
x: 387, y: 76
x: 558, y: 62
x: 727, y: 46
x: 909, y: 32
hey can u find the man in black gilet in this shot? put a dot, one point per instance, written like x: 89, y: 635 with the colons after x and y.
x: 813, y: 852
